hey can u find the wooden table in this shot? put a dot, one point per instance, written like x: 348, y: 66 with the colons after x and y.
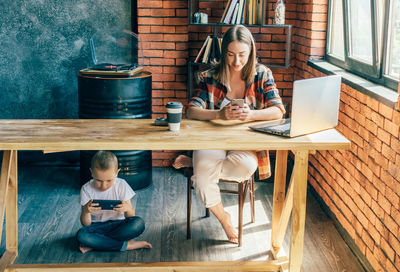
x: 135, y: 134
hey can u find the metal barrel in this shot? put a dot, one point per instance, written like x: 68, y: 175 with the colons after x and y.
x: 109, y: 97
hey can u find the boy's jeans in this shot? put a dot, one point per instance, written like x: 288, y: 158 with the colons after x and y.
x: 112, y: 234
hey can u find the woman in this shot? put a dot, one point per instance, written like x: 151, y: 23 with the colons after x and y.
x: 236, y: 76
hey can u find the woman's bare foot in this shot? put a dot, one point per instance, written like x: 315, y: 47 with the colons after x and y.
x: 230, y: 231
x: 132, y: 244
x: 182, y: 161
x: 85, y: 249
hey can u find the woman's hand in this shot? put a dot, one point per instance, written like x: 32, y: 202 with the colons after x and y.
x: 236, y: 113
x: 246, y: 113
x: 91, y: 207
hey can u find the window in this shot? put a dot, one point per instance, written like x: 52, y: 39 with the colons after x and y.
x: 336, y: 31
x: 360, y: 32
x: 364, y: 38
x: 393, y: 50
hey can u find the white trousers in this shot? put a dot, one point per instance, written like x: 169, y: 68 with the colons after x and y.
x: 211, y: 165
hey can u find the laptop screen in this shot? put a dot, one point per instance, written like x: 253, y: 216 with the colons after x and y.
x: 315, y: 104
x: 315, y: 107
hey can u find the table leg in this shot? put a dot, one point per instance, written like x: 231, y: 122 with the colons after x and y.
x: 12, y: 206
x: 8, y: 204
x: 284, y: 220
x: 4, y: 178
x: 279, y: 194
x: 299, y: 211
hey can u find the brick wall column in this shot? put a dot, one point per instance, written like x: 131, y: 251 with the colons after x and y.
x: 163, y: 30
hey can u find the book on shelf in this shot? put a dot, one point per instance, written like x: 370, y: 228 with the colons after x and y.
x: 225, y: 10
x: 239, y: 19
x: 243, y: 12
x: 210, y: 50
x: 201, y: 51
x: 207, y: 52
x: 259, y: 12
x: 216, y: 47
x: 220, y: 43
x: 250, y: 12
x: 229, y: 13
x: 235, y: 13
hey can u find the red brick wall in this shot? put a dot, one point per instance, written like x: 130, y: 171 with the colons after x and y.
x: 163, y: 31
x: 361, y: 186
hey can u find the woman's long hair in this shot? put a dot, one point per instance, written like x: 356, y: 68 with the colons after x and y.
x: 242, y: 34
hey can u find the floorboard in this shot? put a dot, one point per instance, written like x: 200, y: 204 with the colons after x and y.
x: 49, y: 212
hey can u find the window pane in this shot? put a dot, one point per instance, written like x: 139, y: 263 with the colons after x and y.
x: 360, y: 30
x: 336, y: 43
x: 393, y: 57
x: 380, y: 6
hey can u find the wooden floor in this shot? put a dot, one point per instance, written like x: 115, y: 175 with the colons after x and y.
x: 49, y: 218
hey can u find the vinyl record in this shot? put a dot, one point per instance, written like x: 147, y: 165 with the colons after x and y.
x: 112, y: 67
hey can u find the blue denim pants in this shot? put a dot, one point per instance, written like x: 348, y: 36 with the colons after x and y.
x: 110, y: 235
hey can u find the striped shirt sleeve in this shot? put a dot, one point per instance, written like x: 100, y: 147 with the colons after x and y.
x: 201, y: 94
x: 271, y: 93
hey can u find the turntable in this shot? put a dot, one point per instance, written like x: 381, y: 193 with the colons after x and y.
x: 106, y: 69
x: 114, y: 53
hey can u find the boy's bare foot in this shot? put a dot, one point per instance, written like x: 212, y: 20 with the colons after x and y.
x: 85, y: 249
x: 182, y: 161
x: 132, y: 244
x: 230, y: 231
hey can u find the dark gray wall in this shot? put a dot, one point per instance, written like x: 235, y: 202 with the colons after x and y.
x: 43, y: 44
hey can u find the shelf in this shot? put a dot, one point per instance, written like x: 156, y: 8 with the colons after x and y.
x: 288, y: 43
x: 268, y: 44
x: 215, y: 10
x: 229, y: 25
x: 270, y: 66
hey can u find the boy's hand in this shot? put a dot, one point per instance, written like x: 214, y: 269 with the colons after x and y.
x: 125, y: 206
x: 91, y: 207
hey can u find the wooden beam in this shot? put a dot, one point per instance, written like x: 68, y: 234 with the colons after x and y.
x: 55, y: 151
x: 4, y: 180
x: 7, y: 259
x: 281, y: 256
x: 270, y: 265
x: 299, y: 211
x: 279, y: 192
x: 284, y: 267
x: 12, y: 206
x: 287, y: 211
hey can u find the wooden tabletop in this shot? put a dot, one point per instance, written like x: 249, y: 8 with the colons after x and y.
x: 141, y: 134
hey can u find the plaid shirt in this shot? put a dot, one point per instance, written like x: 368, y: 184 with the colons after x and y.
x: 260, y: 94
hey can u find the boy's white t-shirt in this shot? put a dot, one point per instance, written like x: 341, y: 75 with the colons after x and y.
x: 120, y: 190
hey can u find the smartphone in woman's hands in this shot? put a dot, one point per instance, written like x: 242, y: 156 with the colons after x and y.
x: 238, y: 102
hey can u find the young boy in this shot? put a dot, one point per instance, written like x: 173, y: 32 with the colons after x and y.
x: 108, y: 229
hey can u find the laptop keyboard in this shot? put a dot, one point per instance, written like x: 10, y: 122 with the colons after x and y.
x: 283, y: 127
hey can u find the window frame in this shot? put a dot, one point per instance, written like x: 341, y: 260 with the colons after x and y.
x: 329, y: 57
x: 387, y: 81
x: 374, y: 72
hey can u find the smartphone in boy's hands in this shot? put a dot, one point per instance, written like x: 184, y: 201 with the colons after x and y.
x: 106, y: 204
x: 238, y: 102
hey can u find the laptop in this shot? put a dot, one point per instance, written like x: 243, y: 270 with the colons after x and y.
x: 315, y: 107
